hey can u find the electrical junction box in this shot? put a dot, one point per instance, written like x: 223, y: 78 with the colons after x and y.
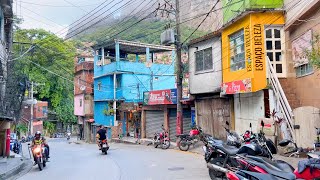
x: 168, y: 37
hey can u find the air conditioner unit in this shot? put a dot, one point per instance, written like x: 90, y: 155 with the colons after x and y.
x: 99, y: 63
x: 168, y: 37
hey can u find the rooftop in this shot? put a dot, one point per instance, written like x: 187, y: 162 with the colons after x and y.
x: 133, y: 47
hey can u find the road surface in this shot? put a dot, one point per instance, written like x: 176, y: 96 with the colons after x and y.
x: 123, y: 162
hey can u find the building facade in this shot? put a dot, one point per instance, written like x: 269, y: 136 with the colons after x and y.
x: 252, y: 35
x: 123, y: 70
x: 301, y: 85
x: 205, y: 77
x: 83, y: 95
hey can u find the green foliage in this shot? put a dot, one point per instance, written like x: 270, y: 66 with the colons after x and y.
x: 49, y: 127
x: 22, y: 128
x: 52, y: 54
x: 314, y: 54
x: 148, y: 31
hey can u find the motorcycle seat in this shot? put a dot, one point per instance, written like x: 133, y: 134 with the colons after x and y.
x: 281, y: 165
x: 230, y: 150
x: 275, y: 171
x: 183, y: 135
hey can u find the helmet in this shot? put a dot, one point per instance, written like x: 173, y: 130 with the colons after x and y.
x: 38, y: 134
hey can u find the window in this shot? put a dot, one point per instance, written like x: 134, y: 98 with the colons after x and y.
x: 80, y: 102
x: 118, y: 85
x: 81, y: 59
x: 237, y: 54
x: 204, y: 60
x: 44, y: 110
x: 304, y: 70
x: 99, y: 86
x: 274, y: 48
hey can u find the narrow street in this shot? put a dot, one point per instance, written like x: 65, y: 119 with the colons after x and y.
x: 123, y: 162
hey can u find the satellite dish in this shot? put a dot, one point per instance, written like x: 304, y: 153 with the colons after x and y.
x: 82, y: 88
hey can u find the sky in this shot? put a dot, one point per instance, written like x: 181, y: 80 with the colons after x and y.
x: 52, y: 15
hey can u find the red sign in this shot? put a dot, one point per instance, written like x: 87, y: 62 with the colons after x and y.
x: 160, y: 97
x: 234, y: 87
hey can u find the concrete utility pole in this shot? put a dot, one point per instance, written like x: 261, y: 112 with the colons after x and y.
x: 31, y: 109
x: 179, y: 126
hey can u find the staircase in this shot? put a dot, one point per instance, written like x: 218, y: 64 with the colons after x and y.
x: 281, y: 99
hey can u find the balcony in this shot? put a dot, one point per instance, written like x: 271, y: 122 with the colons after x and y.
x: 87, y: 65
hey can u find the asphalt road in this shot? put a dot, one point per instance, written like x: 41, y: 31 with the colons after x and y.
x: 123, y: 162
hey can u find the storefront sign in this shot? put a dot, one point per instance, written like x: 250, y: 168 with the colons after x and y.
x: 247, y: 38
x: 168, y: 96
x: 258, y: 49
x: 241, y: 86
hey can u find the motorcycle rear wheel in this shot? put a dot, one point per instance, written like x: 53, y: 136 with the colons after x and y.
x: 183, y: 145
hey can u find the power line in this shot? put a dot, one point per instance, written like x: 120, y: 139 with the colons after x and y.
x: 51, y: 5
x: 75, y: 5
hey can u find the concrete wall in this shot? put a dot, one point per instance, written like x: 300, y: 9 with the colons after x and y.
x: 294, y: 8
x: 88, y: 105
x: 208, y: 81
x: 79, y: 110
x: 101, y: 118
x: 248, y: 108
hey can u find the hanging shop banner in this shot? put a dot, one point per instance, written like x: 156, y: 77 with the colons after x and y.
x: 234, y: 87
x: 167, y: 96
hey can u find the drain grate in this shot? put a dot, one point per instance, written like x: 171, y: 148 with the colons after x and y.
x: 175, y: 168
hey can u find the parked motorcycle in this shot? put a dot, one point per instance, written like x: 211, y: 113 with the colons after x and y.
x: 39, y: 155
x: 185, y: 140
x: 225, y: 156
x: 162, y: 139
x: 104, y: 146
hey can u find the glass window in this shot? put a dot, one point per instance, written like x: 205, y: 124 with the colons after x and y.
x: 278, y: 56
x: 277, y: 44
x: 276, y: 33
x: 237, y: 53
x: 278, y: 68
x: 270, y: 55
x: 269, y: 45
x: 269, y: 33
x: 304, y: 70
x: 204, y: 60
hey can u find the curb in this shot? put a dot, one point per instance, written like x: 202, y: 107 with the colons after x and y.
x: 122, y: 141
x: 14, y: 171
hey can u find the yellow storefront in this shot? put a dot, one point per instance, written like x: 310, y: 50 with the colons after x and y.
x: 246, y: 43
x: 243, y: 52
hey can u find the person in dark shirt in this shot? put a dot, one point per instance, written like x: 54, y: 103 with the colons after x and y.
x: 101, y: 135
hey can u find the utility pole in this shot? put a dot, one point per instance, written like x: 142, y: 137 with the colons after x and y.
x: 179, y: 125
x: 31, y: 109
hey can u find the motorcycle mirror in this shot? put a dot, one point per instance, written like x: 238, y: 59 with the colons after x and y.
x: 227, y: 123
x: 250, y: 125
x: 28, y: 144
x: 262, y: 123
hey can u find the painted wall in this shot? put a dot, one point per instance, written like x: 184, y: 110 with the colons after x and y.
x: 106, y: 91
x: 88, y: 105
x: 79, y: 110
x: 207, y: 81
x: 254, y: 45
x: 101, y: 118
x: 248, y: 108
x: 234, y: 8
x: 294, y: 8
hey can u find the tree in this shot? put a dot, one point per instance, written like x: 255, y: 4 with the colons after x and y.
x: 314, y: 53
x: 50, y: 61
x: 49, y: 127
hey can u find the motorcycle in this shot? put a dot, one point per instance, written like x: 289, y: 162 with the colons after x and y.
x: 222, y: 155
x: 185, y: 140
x: 161, y: 139
x: 233, y: 139
x: 104, y: 146
x: 39, y: 155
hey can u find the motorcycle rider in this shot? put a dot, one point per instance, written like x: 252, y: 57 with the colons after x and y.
x: 101, y: 135
x: 38, y: 140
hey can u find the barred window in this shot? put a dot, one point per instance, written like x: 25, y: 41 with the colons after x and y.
x: 204, y: 60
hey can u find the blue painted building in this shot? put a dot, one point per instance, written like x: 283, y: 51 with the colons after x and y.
x: 121, y: 75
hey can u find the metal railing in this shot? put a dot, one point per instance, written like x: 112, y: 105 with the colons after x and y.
x: 281, y: 98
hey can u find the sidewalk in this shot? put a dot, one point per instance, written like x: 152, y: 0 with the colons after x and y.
x: 12, y: 166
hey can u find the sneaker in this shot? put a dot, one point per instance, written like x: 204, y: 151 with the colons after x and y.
x: 34, y: 163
